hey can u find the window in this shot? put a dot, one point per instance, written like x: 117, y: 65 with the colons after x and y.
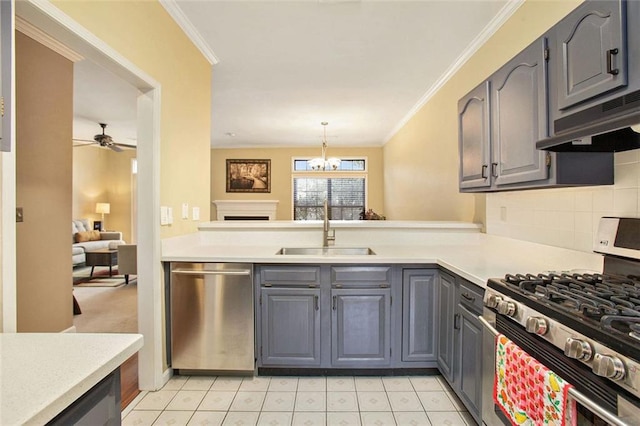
x: 344, y: 189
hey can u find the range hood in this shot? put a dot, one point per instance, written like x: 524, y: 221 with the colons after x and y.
x: 605, y: 127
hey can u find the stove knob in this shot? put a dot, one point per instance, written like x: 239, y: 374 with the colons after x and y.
x: 608, y: 366
x: 578, y: 349
x: 506, y: 308
x: 492, y: 301
x: 537, y: 325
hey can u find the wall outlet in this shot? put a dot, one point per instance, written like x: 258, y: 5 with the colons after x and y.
x: 185, y: 211
x: 195, y: 214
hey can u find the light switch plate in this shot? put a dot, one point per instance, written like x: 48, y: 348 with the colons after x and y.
x: 164, y: 215
x: 185, y: 211
x: 195, y: 214
x: 169, y: 215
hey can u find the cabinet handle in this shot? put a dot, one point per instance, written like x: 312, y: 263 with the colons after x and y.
x: 335, y: 299
x: 337, y: 286
x: 468, y: 297
x: 484, y: 171
x: 610, y: 69
x: 456, y: 322
x: 494, y: 169
x: 315, y: 302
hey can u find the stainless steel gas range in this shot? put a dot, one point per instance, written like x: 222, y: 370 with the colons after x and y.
x: 584, y: 326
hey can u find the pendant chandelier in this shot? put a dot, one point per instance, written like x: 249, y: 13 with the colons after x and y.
x: 324, y: 163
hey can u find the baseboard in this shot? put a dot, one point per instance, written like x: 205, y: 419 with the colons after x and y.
x: 71, y: 329
x: 132, y: 404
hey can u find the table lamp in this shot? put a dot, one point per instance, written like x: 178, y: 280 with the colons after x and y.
x: 103, y: 208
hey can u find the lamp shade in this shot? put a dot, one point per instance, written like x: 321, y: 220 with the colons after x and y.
x: 104, y: 208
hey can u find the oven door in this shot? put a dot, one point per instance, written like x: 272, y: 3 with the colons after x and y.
x: 588, y: 411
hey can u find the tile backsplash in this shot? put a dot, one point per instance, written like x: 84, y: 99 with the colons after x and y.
x: 566, y: 217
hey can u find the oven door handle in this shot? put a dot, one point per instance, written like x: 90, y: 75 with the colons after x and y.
x: 488, y: 325
x: 577, y: 396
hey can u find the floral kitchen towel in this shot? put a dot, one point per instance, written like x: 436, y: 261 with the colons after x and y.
x: 528, y: 392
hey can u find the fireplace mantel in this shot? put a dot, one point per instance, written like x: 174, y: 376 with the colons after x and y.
x: 246, y: 209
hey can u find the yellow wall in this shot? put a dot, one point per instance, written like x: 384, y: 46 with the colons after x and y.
x: 44, y: 100
x: 102, y: 175
x: 144, y: 33
x: 421, y: 160
x: 281, y: 181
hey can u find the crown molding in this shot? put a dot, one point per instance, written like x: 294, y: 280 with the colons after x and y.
x: 171, y: 6
x: 45, y: 39
x: 505, y: 13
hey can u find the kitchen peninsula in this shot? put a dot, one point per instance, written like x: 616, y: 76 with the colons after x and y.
x: 44, y: 373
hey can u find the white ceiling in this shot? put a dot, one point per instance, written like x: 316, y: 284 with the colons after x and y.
x: 285, y: 66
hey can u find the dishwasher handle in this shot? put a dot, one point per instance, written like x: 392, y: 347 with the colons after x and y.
x: 242, y: 272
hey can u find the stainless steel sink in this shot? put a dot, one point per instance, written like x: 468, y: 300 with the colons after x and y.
x: 326, y: 251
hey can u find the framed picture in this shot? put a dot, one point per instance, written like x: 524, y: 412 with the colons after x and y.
x: 97, y: 225
x: 248, y: 175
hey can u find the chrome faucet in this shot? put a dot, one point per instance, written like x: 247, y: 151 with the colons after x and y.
x: 328, y: 234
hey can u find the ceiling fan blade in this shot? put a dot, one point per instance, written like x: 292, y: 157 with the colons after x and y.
x: 126, y: 146
x: 114, y: 147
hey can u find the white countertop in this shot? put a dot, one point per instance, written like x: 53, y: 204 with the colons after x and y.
x: 43, y: 373
x: 471, y: 255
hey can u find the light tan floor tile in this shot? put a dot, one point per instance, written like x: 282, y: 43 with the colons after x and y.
x: 175, y: 383
x: 255, y: 384
x: 344, y: 419
x: 373, y: 401
x: 217, y: 400
x: 275, y: 419
x: 227, y: 383
x: 241, y: 418
x: 156, y: 400
x: 377, y: 418
x: 309, y: 419
x: 311, y: 401
x: 207, y: 418
x: 428, y: 383
x: 404, y: 401
x: 342, y: 401
x: 199, y: 383
x: 279, y: 401
x: 312, y: 384
x: 247, y: 401
x: 445, y: 418
x: 340, y: 384
x: 186, y: 400
x: 141, y: 417
x: 283, y: 384
x: 397, y: 384
x: 173, y: 418
x: 369, y: 384
x: 418, y: 418
x: 456, y: 401
x: 436, y: 401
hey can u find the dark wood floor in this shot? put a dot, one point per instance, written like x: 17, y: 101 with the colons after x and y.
x: 129, y: 381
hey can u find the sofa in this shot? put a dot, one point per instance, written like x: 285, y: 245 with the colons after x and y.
x: 84, y: 239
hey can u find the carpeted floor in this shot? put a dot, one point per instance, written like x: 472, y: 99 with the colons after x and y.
x: 107, y: 309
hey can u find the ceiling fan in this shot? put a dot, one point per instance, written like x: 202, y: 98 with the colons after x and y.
x: 105, y: 141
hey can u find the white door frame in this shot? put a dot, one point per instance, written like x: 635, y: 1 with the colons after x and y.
x: 47, y: 17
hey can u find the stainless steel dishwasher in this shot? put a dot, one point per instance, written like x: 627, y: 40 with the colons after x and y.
x: 212, y: 320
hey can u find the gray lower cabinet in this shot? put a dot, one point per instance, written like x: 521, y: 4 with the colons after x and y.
x: 419, y: 314
x: 446, y: 307
x: 469, y: 361
x: 361, y: 327
x: 290, y: 326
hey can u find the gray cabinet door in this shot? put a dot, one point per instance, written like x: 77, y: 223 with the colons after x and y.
x: 519, y: 112
x: 591, y: 43
x: 474, y: 136
x: 418, y: 315
x: 446, y: 308
x: 360, y: 327
x: 290, y: 326
x: 469, y: 362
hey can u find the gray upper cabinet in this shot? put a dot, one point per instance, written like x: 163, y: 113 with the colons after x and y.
x: 419, y: 310
x: 290, y: 326
x: 446, y: 308
x: 474, y: 135
x: 591, y: 43
x: 361, y: 327
x: 519, y: 112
